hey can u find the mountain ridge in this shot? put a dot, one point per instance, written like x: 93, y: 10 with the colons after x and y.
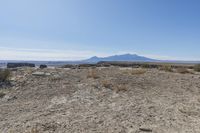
x: 123, y: 57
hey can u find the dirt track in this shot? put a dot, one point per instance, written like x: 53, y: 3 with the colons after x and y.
x: 68, y: 101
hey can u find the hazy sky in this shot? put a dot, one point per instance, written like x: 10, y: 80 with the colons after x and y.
x: 77, y: 29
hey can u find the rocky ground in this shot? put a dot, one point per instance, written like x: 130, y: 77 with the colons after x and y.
x: 103, y: 100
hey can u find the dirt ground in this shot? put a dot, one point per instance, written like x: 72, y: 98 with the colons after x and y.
x: 104, y: 100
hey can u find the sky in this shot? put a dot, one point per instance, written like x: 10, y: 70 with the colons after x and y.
x: 79, y: 29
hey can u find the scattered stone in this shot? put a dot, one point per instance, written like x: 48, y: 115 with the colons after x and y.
x: 68, y: 101
x: 47, y: 74
x: 9, y: 98
x: 12, y: 98
x: 39, y: 74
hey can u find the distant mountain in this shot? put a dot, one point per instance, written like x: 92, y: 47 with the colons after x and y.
x: 124, y: 57
x: 95, y: 59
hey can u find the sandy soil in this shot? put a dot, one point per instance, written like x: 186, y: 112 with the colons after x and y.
x: 114, y: 101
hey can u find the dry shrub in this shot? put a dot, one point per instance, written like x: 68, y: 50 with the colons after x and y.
x: 2, y: 94
x: 121, y: 87
x: 197, y: 68
x: 5, y: 75
x: 106, y: 84
x: 115, y: 87
x: 182, y: 70
x: 29, y: 70
x: 145, y: 65
x: 137, y: 71
x: 92, y: 73
x: 55, y: 78
x: 167, y: 68
x: 34, y: 130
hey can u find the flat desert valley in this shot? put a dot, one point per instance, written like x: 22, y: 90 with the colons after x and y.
x: 100, y: 100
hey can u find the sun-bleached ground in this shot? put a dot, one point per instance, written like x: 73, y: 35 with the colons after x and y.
x: 104, y: 100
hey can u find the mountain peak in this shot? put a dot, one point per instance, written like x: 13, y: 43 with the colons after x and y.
x: 94, y: 57
x: 123, y: 57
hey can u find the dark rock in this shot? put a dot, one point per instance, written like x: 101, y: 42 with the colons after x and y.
x: 15, y: 65
x: 145, y: 129
x: 43, y: 66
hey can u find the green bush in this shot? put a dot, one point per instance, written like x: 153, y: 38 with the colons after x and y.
x: 5, y: 75
x: 197, y: 67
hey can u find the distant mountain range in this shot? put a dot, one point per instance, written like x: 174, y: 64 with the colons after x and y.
x: 124, y: 57
x: 95, y: 59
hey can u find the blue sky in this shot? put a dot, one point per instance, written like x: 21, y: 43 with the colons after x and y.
x: 78, y: 29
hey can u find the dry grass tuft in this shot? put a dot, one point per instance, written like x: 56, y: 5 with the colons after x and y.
x: 5, y: 75
x: 197, y: 68
x: 183, y: 70
x: 138, y: 71
x: 115, y: 87
x: 166, y: 68
x: 121, y: 87
x: 92, y: 73
x: 145, y: 65
x: 135, y: 71
x: 34, y: 130
x: 55, y: 78
x: 107, y: 84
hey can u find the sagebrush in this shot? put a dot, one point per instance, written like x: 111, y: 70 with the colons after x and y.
x: 197, y: 67
x: 5, y: 75
x: 182, y: 70
x: 92, y: 73
x: 166, y: 67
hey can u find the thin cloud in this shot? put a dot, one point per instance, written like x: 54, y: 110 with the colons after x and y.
x: 44, y: 54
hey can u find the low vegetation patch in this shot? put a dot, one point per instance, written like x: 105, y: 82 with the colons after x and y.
x: 2, y: 94
x: 166, y: 68
x: 106, y: 84
x: 4, y: 75
x: 135, y: 71
x: 183, y: 70
x: 121, y: 87
x: 115, y: 87
x: 145, y: 65
x: 138, y: 71
x: 197, y: 68
x: 92, y: 73
x: 55, y: 77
